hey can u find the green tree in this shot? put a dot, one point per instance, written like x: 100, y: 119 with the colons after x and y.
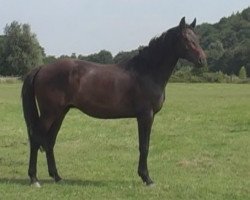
x: 20, y: 50
x: 126, y: 55
x: 103, y: 57
x: 242, y: 73
x: 215, y: 50
x: 73, y: 55
x: 246, y: 14
x: 49, y: 59
x: 2, y: 39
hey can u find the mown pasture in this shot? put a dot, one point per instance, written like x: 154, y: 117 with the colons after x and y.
x: 200, y: 149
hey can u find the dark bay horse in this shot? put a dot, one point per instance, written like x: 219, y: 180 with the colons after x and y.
x: 131, y: 89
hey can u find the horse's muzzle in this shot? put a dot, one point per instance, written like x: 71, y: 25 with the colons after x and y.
x: 202, y: 62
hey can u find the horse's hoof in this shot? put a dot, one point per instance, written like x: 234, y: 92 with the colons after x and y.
x: 55, y: 176
x: 151, y: 184
x: 36, y: 184
x: 61, y: 182
x: 58, y: 179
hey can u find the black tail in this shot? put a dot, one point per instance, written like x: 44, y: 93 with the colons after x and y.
x: 30, y: 110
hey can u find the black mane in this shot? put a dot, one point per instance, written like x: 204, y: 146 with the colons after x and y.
x: 151, y: 56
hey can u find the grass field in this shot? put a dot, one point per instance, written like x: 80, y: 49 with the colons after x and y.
x: 200, y: 149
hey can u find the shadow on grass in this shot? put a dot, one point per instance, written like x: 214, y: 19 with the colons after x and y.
x: 66, y: 182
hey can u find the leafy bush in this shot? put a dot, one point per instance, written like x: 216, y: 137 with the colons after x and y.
x: 242, y: 73
x: 9, y: 79
x: 185, y: 75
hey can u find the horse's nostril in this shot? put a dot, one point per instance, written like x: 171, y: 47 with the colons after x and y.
x: 202, y: 62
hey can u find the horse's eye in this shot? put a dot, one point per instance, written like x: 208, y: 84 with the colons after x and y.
x: 185, y: 39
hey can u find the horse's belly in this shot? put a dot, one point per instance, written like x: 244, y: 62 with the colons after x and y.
x: 105, y: 110
x: 105, y: 104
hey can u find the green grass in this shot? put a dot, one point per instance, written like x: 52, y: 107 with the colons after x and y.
x: 200, y: 149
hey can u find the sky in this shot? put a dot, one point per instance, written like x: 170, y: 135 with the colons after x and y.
x: 84, y: 27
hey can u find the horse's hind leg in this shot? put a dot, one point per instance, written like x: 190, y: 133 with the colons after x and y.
x: 33, y: 163
x: 52, y: 165
x: 52, y: 134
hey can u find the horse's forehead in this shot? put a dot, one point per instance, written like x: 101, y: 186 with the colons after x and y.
x: 190, y: 35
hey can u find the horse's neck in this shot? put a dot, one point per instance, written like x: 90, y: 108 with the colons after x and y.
x: 165, y: 70
x: 162, y: 71
x: 156, y: 64
x: 157, y: 60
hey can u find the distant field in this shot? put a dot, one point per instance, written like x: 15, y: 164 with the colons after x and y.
x: 200, y: 149
x: 9, y: 79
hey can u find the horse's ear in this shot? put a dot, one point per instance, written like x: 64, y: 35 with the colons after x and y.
x: 182, y: 24
x: 193, y: 24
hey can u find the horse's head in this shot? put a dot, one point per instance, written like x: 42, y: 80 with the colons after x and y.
x: 188, y: 46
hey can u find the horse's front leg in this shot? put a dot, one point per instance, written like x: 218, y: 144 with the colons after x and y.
x: 145, y: 121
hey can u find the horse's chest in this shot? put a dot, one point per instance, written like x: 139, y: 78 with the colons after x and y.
x: 152, y: 96
x: 157, y: 102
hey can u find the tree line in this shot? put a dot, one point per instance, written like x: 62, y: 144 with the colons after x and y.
x: 227, y: 45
